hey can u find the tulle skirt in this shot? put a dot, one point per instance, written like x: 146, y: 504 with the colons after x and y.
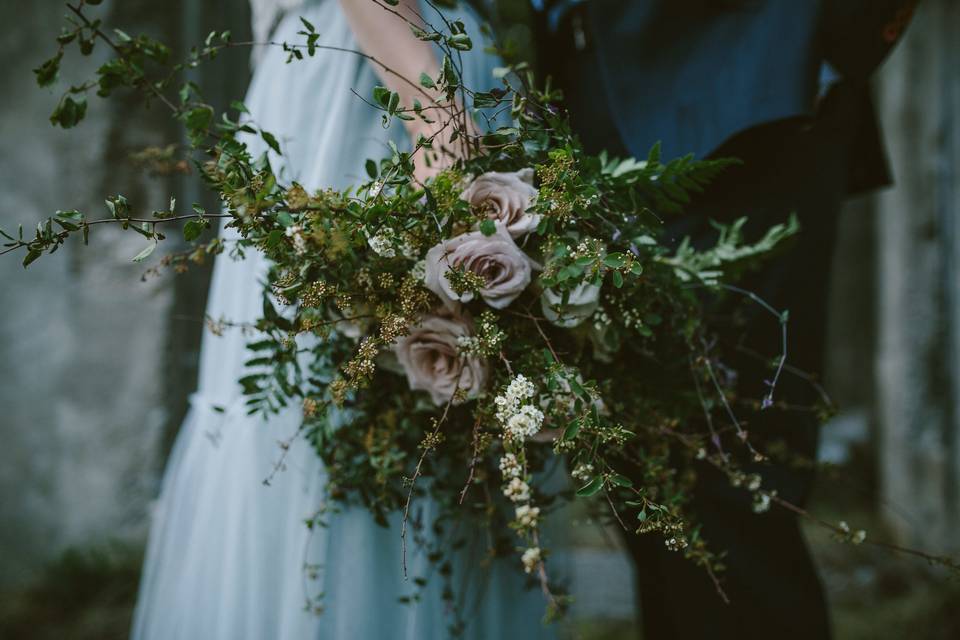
x: 232, y: 558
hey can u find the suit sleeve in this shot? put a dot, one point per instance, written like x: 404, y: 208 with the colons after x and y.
x: 860, y: 33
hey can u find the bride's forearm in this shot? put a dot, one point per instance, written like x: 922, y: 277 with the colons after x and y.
x: 388, y: 38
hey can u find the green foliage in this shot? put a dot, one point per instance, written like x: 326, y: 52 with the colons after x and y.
x: 608, y: 331
x: 729, y: 254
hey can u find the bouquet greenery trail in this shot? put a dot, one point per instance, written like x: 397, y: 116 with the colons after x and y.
x: 453, y: 338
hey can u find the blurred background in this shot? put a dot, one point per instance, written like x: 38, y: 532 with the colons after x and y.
x: 97, y: 356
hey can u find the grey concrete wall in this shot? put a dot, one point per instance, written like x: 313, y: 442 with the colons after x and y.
x: 919, y: 283
x: 95, y: 364
x: 81, y: 406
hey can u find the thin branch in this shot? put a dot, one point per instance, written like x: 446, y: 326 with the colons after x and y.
x: 944, y: 561
x: 416, y: 475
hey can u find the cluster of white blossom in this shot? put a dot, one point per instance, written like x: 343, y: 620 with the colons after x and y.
x: 517, y: 490
x: 519, y: 418
x: 525, y: 423
x: 531, y: 558
x: 468, y: 344
x: 385, y: 243
x: 582, y: 472
x: 678, y: 543
x: 510, y: 466
x: 527, y: 516
x: 761, y: 501
x: 519, y: 390
x: 295, y: 232
x: 382, y: 243
x: 419, y: 270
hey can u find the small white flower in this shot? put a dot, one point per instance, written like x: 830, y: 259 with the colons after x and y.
x: 527, y: 516
x: 419, y: 270
x: 295, y: 232
x: 582, y: 472
x: 525, y: 423
x: 381, y: 243
x: 517, y: 490
x: 753, y: 482
x: 409, y: 250
x: 761, y: 501
x: 531, y: 559
x: 517, y: 391
x: 510, y: 466
x: 676, y: 543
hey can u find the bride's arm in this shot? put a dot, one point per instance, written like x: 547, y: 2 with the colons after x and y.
x: 388, y: 39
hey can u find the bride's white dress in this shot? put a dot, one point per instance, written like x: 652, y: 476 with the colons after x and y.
x: 227, y: 554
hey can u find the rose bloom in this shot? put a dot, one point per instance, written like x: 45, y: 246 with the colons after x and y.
x: 430, y: 358
x: 582, y: 302
x: 504, y: 268
x: 505, y: 198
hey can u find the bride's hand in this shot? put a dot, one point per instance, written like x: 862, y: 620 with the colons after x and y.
x: 383, y: 37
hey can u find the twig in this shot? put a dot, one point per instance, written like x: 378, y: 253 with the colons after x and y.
x: 285, y: 446
x: 714, y: 437
x: 416, y: 474
x: 613, y: 508
x: 474, y: 459
x: 944, y: 561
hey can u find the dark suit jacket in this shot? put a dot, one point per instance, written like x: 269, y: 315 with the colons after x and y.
x: 692, y: 73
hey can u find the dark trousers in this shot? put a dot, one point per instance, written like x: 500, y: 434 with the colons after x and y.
x: 796, y: 166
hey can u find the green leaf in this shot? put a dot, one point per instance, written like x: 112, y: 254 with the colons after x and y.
x: 274, y: 238
x: 591, y: 488
x: 143, y: 255
x: 198, y: 119
x: 615, y: 260
x: 578, y: 389
x: 371, y: 168
x: 271, y: 141
x: 483, y: 100
x: 488, y: 227
x: 617, y: 279
x: 381, y: 95
x: 47, y: 72
x: 654, y: 156
x: 69, y: 112
x: 460, y: 42
x: 426, y: 81
x: 621, y: 480
x: 393, y: 102
x: 307, y: 24
x: 32, y: 255
x: 572, y: 429
x: 193, y: 229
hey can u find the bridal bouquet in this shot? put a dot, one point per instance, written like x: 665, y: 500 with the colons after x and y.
x: 459, y: 337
